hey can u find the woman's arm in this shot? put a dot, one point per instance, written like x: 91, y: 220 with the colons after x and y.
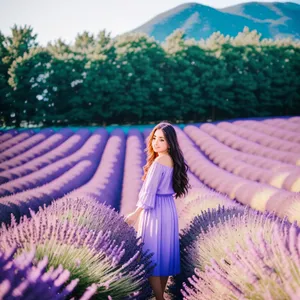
x: 138, y: 210
x: 132, y: 217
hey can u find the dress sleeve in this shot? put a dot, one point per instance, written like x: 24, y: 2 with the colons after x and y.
x: 149, y: 189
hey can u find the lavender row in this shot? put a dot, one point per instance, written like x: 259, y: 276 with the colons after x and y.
x: 16, y: 139
x: 260, y: 138
x: 25, y: 145
x: 295, y: 120
x: 67, y: 147
x: 200, y: 197
x: 193, y: 242
x: 283, y: 124
x: 245, y: 146
x: 257, y: 195
x: 277, y: 174
x: 133, y: 171
x: 259, y: 126
x: 56, y: 168
x: 8, y: 134
x: 75, y: 177
x: 37, y: 150
x: 106, y: 183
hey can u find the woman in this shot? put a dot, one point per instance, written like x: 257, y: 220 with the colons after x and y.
x: 165, y: 173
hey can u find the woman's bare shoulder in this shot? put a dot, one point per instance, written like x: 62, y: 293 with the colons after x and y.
x: 165, y: 160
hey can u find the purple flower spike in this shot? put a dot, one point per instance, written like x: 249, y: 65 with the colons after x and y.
x: 20, y: 278
x: 81, y: 234
x: 266, y: 267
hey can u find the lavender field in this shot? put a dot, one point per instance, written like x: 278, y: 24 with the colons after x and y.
x: 64, y: 194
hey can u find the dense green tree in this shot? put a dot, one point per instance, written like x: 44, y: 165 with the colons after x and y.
x: 140, y: 62
x: 243, y: 82
x: 14, y: 46
x: 259, y: 66
x: 185, y: 66
x: 103, y: 38
x: 5, y: 89
x: 134, y: 79
x: 101, y: 82
x: 283, y: 78
x: 218, y: 92
x: 293, y: 102
x: 21, y: 40
x: 28, y: 78
x: 84, y: 41
x: 59, y: 47
x: 66, y: 92
x: 127, y: 80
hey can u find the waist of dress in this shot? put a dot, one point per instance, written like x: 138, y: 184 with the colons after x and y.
x: 165, y: 195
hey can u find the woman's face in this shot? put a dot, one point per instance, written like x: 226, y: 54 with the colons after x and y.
x: 159, y: 143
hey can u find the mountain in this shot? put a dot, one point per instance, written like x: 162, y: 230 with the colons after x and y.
x: 272, y: 20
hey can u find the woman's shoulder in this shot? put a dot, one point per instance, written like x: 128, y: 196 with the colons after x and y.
x: 165, y: 160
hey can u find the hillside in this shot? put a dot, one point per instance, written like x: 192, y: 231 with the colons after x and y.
x: 272, y: 20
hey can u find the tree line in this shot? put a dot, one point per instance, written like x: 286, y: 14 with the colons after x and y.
x: 133, y: 79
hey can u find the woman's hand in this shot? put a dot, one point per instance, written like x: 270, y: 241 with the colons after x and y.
x: 131, y: 218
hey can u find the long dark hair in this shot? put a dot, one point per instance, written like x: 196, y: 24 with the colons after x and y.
x: 180, y: 178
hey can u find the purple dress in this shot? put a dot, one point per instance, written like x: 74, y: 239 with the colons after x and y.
x: 158, y: 224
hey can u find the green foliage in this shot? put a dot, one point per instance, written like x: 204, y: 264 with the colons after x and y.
x: 90, y: 240
x: 84, y: 40
x: 4, y: 86
x: 243, y: 83
x: 134, y: 79
x: 13, y: 47
x: 19, y: 43
x: 28, y: 79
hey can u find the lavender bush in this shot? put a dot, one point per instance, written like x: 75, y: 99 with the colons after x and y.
x: 202, y: 201
x: 91, y: 241
x: 91, y: 214
x: 269, y: 269
x: 213, y: 232
x: 292, y: 208
x: 212, y: 244
x: 199, y: 225
x: 21, y: 278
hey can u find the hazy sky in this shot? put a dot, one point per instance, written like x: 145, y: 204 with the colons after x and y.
x: 55, y: 19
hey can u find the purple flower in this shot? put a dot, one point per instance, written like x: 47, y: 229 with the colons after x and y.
x: 21, y: 278
x: 74, y: 230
